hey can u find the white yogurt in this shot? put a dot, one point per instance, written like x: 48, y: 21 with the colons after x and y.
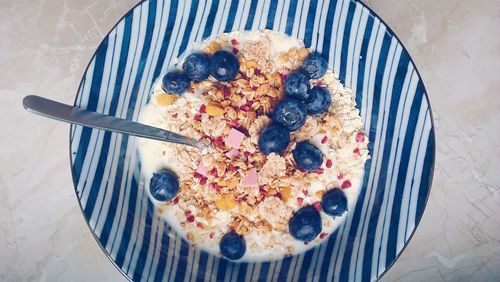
x: 156, y: 155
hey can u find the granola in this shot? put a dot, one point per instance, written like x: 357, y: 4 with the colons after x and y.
x: 217, y: 193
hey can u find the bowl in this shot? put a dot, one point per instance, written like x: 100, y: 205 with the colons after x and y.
x: 365, y: 53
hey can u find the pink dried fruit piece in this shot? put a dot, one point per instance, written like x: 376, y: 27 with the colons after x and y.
x: 201, y: 170
x: 233, y: 153
x: 234, y: 138
x: 250, y: 179
x: 360, y: 137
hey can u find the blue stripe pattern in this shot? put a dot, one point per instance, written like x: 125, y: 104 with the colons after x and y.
x: 360, y: 48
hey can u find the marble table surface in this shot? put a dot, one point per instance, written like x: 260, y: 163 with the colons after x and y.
x: 46, y: 44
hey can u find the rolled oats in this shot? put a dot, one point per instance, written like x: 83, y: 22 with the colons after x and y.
x: 218, y: 201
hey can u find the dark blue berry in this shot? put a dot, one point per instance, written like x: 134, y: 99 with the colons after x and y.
x: 224, y: 65
x: 297, y: 85
x: 307, y: 156
x: 175, y: 82
x: 290, y: 113
x: 319, y: 100
x: 274, y: 138
x: 197, y: 67
x: 334, y: 202
x: 232, y: 246
x: 164, y: 185
x: 314, y: 66
x: 305, y: 224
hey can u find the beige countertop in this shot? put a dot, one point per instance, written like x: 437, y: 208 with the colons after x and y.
x: 46, y: 45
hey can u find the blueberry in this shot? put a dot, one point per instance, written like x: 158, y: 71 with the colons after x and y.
x: 334, y: 202
x: 314, y: 66
x: 307, y: 156
x: 175, y: 82
x: 319, y: 100
x: 305, y: 224
x: 290, y: 113
x: 164, y: 185
x: 197, y: 67
x: 224, y: 66
x: 274, y: 138
x: 297, y: 85
x: 232, y: 246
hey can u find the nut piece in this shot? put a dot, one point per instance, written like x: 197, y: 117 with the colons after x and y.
x: 166, y: 99
x: 214, y: 110
x: 225, y: 203
x: 303, y: 53
x: 286, y: 193
x: 284, y: 58
x: 251, y: 64
x: 213, y: 47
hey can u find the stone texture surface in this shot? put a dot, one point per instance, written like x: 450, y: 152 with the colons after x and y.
x: 46, y: 44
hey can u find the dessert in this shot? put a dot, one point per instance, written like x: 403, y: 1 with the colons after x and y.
x: 286, y: 147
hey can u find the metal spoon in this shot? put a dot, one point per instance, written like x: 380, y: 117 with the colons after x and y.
x: 62, y: 112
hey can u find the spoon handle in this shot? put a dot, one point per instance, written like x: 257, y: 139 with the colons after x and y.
x: 62, y: 112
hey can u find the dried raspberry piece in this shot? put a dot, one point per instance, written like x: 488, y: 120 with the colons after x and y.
x: 317, y: 205
x: 360, y: 137
x: 214, y: 186
x: 232, y: 168
x: 235, y: 123
x: 346, y: 184
x: 300, y: 200
x: 203, y: 109
x: 218, y: 141
x: 329, y: 163
x: 319, y: 170
x: 243, y: 198
x: 262, y: 190
x: 203, y: 181
x: 283, y: 77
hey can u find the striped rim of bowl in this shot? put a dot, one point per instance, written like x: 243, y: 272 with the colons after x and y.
x: 365, y: 53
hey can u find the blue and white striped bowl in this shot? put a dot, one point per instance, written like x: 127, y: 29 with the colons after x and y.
x: 361, y: 49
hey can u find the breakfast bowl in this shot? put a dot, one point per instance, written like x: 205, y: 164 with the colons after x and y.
x: 366, y: 57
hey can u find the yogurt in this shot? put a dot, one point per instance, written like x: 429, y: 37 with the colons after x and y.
x: 338, y: 135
